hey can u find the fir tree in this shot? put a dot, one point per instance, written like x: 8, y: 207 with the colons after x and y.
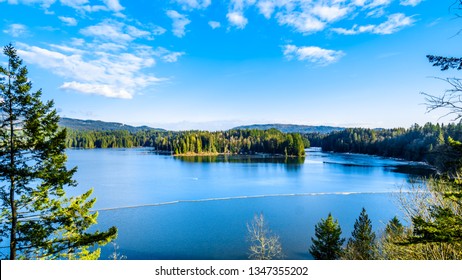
x: 361, y: 245
x: 328, y: 244
x: 38, y: 221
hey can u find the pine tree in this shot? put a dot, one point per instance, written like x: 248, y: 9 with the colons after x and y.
x: 361, y: 245
x: 38, y: 221
x: 328, y: 244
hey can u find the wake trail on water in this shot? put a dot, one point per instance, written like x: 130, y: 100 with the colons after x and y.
x: 239, y: 197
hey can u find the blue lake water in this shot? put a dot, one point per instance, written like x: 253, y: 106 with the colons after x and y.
x: 197, y: 207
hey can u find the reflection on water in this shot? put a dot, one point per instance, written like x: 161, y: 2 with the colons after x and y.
x: 204, y: 202
x: 365, y: 163
x: 291, y: 163
x: 347, y: 161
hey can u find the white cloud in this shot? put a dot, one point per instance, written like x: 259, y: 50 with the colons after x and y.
x: 359, y: 2
x: 239, y: 5
x: 85, y: 6
x: 312, y: 54
x: 376, y: 3
x: 376, y: 12
x: 158, y: 30
x: 235, y: 13
x: 104, y: 90
x: 166, y: 55
x: 43, y: 3
x: 302, y: 22
x: 118, y: 74
x: 214, y: 24
x: 179, y: 23
x: 111, y: 30
x: 67, y: 49
x: 194, y: 4
x: 77, y: 42
x: 394, y: 23
x: 68, y: 20
x: 330, y: 13
x: 266, y: 8
x: 107, y: 30
x: 16, y: 30
x: 113, y: 5
x: 237, y: 19
x: 410, y: 2
x: 310, y: 16
x: 81, y: 5
x: 137, y: 33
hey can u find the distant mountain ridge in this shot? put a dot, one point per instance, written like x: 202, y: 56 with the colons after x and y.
x: 292, y: 128
x: 100, y: 125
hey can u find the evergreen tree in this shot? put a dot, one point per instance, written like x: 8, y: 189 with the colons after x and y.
x: 38, y: 221
x: 328, y: 244
x: 394, y: 234
x: 394, y: 227
x: 361, y: 245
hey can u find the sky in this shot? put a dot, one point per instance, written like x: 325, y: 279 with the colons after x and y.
x: 216, y: 64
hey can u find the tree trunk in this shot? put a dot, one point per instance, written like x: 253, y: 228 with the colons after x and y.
x: 14, y: 217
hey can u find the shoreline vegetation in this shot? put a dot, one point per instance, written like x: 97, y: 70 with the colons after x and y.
x: 194, y: 143
x: 430, y: 144
x: 209, y: 154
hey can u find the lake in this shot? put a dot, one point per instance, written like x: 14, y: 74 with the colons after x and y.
x: 169, y: 207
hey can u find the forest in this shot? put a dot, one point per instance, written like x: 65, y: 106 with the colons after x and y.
x: 248, y: 141
x: 426, y: 143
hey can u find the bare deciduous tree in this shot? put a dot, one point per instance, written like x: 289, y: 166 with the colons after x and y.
x: 451, y: 99
x: 265, y: 245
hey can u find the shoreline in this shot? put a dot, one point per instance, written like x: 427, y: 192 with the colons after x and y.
x: 235, y: 154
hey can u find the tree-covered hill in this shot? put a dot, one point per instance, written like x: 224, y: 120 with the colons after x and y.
x: 100, y: 125
x: 293, y: 128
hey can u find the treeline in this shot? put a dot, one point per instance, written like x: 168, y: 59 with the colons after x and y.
x: 246, y: 141
x: 418, y: 143
x: 90, y: 139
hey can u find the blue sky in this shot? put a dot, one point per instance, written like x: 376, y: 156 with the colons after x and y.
x: 215, y: 64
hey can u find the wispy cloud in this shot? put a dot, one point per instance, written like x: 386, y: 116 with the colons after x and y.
x: 98, y: 89
x: 16, y: 30
x: 179, y: 23
x: 214, y: 24
x: 410, y: 2
x: 330, y: 13
x: 43, y: 3
x: 79, y: 5
x: 302, y: 22
x: 312, y: 54
x: 100, y: 72
x: 113, y: 5
x: 194, y: 4
x: 68, y: 20
x: 377, y: 3
x: 166, y: 55
x: 115, y: 31
x: 393, y: 24
x: 107, y: 30
x: 85, y: 6
x: 310, y: 16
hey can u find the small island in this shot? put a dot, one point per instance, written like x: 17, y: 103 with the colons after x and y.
x: 194, y: 142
